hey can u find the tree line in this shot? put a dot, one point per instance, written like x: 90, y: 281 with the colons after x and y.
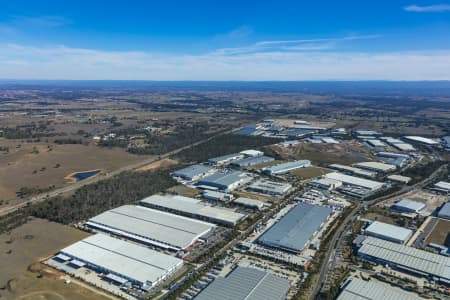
x: 92, y: 199
x: 224, y: 144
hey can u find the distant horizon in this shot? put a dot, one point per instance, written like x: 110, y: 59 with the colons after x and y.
x: 362, y: 87
x: 230, y: 40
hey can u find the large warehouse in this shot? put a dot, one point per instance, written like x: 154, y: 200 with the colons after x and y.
x: 410, y: 260
x: 252, y: 161
x: 421, y: 140
x: 286, y: 167
x: 388, y: 232
x: 151, y: 226
x: 376, y: 166
x: 358, y: 289
x: 356, y: 181
x: 224, y: 181
x: 409, y: 206
x: 295, y: 229
x: 122, y: 261
x: 269, y: 187
x: 353, y: 170
x: 442, y: 186
x: 245, y: 283
x: 191, y: 207
x: 225, y: 159
x: 193, y: 172
x: 444, y: 212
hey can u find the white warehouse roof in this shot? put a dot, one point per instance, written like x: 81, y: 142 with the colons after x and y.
x: 249, y: 202
x: 151, y: 226
x: 416, y: 260
x: 442, y: 185
x: 194, y: 207
x: 404, y: 147
x: 351, y: 180
x: 376, y: 143
x: 409, y: 205
x: 193, y: 171
x: 388, y: 232
x: 377, y: 166
x: 399, y: 178
x: 252, y: 153
x: 123, y: 258
x: 421, y: 139
x: 358, y: 289
x: 352, y: 170
x: 288, y: 166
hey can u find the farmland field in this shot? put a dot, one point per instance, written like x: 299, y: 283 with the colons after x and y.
x: 21, y: 252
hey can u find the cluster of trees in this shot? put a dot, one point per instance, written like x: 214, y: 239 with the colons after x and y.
x: 224, y: 144
x: 13, y: 220
x: 71, y: 141
x: 422, y: 171
x: 26, y: 132
x: 92, y: 199
x: 158, y: 144
x: 28, y: 191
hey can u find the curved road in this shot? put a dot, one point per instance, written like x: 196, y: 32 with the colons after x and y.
x: 329, y: 262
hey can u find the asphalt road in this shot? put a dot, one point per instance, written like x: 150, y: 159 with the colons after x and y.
x: 77, y: 185
x: 329, y: 262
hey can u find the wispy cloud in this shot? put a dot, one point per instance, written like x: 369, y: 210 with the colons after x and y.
x: 17, y: 24
x: 428, y: 8
x: 293, y: 45
x: 241, y: 32
x: 60, y: 62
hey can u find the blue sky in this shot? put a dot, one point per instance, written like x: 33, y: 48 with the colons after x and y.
x: 225, y: 40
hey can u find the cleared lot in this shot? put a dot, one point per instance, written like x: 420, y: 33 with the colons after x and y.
x: 440, y: 234
x: 22, y: 277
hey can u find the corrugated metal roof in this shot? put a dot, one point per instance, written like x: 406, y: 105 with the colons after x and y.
x: 404, y: 146
x: 370, y: 184
x: 412, y: 258
x: 247, y: 130
x: 192, y: 171
x: 443, y: 185
x: 264, y: 185
x: 222, y: 179
x: 409, y: 204
x: 389, y: 231
x: 246, y: 284
x: 399, y: 178
x: 194, y: 207
x: 294, y: 229
x: 226, y: 158
x: 366, y: 132
x: 286, y: 167
x: 251, y: 161
x: 444, y: 212
x: 121, y: 257
x: 353, y: 170
x: 376, y: 143
x: 249, y: 202
x: 152, y: 224
x: 376, y: 166
x: 421, y: 139
x: 358, y: 289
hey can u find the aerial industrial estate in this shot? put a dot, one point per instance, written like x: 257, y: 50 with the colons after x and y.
x: 267, y: 208
x: 276, y: 221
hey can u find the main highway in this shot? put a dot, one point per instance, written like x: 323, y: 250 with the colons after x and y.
x: 329, y: 262
x: 77, y: 185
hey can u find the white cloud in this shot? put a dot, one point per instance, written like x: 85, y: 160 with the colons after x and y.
x: 293, y: 45
x: 428, y: 8
x: 26, y: 62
